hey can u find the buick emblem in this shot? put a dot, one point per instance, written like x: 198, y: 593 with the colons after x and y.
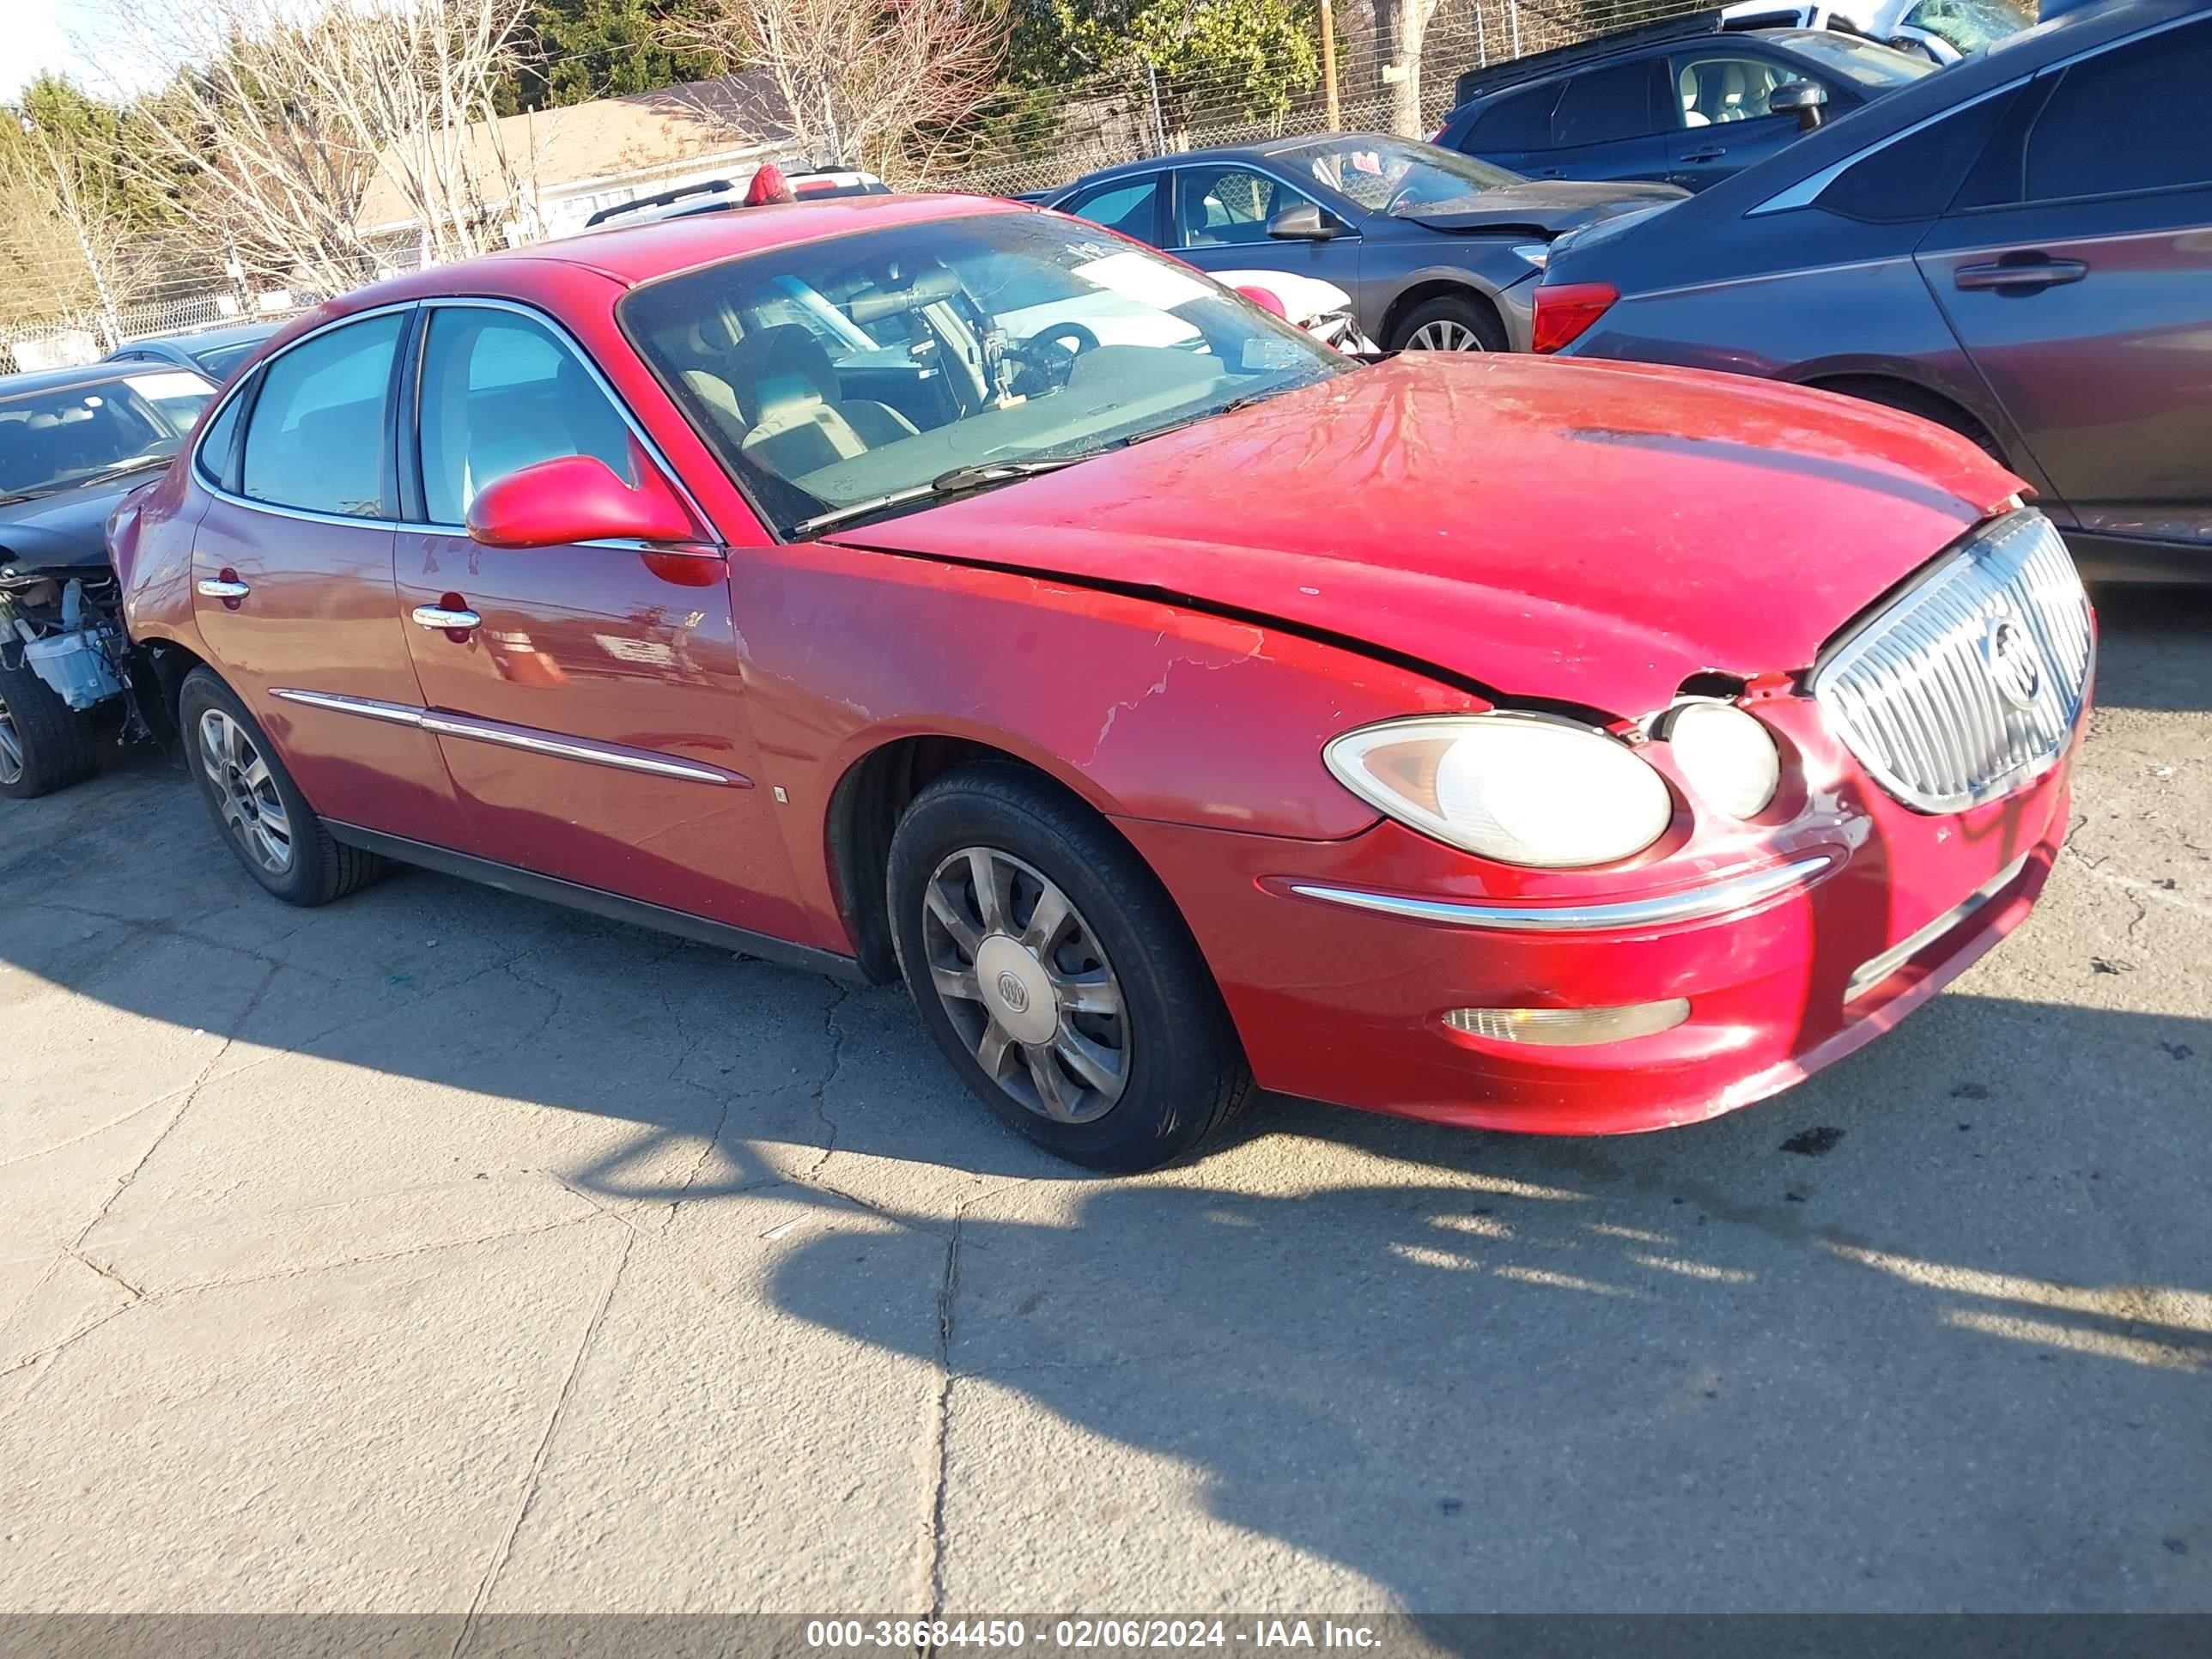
x: 2013, y: 663
x: 1015, y: 994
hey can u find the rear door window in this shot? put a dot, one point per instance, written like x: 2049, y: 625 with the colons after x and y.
x: 1131, y: 206
x: 2119, y: 123
x: 316, y: 440
x: 1521, y: 120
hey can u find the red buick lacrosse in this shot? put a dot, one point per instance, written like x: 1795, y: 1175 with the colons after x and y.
x: 945, y: 589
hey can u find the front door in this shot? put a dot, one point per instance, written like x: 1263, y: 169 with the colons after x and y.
x: 1722, y: 124
x: 587, y: 698
x: 292, y: 564
x: 1220, y: 217
x: 2076, y: 269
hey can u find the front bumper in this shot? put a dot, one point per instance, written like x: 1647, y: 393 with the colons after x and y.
x: 1346, y: 1002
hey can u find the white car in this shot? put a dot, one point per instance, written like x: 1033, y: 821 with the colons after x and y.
x: 1943, y: 30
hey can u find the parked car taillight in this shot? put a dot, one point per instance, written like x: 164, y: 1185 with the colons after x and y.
x: 1564, y: 312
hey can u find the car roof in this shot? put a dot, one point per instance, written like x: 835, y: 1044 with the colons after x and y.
x: 1262, y: 151
x: 52, y: 379
x: 631, y: 254
x: 199, y: 339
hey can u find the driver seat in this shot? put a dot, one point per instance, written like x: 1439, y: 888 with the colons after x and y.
x: 787, y: 391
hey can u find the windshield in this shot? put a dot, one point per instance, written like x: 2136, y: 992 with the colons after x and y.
x: 52, y: 440
x: 219, y: 361
x: 830, y: 376
x: 1970, y: 25
x: 1393, y: 175
x: 1877, y: 67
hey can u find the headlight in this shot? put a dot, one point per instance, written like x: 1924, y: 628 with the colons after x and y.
x: 1520, y: 789
x: 1726, y: 755
x: 1538, y: 254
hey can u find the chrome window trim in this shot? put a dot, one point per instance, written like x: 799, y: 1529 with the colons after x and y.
x: 556, y: 745
x: 1696, y: 904
x: 1808, y: 189
x: 569, y: 344
x: 1801, y: 193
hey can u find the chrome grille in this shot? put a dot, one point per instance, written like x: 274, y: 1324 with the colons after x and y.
x: 1968, y: 684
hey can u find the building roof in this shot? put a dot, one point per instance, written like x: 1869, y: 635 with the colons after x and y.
x: 609, y: 138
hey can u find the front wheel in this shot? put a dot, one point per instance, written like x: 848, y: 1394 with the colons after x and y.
x: 45, y: 744
x: 1448, y: 324
x: 1056, y: 974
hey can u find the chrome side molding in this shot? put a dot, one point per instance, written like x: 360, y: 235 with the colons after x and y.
x: 529, y: 739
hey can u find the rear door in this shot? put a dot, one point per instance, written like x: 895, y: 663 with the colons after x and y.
x: 1133, y: 204
x: 1608, y: 124
x: 1515, y: 132
x: 292, y: 564
x: 2076, y: 269
x: 1716, y: 103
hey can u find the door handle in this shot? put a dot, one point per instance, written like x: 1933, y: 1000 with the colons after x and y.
x: 226, y: 587
x: 2020, y: 273
x: 1713, y: 154
x: 446, y: 621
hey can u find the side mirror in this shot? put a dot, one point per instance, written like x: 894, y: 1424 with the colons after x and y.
x: 1807, y: 97
x: 1304, y: 223
x: 577, y: 498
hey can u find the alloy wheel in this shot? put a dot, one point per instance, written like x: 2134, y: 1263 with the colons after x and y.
x: 11, y: 746
x: 1026, y: 983
x: 252, y: 811
x: 1443, y: 335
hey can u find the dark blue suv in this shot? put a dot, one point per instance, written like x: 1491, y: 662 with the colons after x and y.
x: 1685, y: 103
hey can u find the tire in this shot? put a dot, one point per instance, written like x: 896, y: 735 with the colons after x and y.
x: 257, y: 808
x: 1159, y: 1078
x: 45, y: 744
x: 1909, y: 400
x: 1447, y: 318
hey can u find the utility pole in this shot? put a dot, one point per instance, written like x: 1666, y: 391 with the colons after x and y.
x: 1329, y: 64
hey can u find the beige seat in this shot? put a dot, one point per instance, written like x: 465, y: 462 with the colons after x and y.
x: 787, y: 393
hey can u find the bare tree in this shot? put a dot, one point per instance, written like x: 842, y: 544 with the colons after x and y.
x: 65, y: 197
x: 885, y: 84
x: 1409, y: 28
x: 286, y: 116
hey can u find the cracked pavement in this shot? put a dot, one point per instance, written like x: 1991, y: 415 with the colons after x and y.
x: 442, y: 1251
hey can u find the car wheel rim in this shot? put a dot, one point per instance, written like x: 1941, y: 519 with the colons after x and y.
x: 246, y: 792
x: 11, y: 746
x: 1026, y: 983
x: 1444, y: 335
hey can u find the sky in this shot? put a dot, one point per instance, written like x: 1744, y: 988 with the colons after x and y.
x: 51, y: 34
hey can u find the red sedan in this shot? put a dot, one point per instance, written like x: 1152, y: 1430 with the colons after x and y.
x: 947, y: 589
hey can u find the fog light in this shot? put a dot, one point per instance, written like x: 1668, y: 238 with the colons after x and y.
x: 1558, y: 1027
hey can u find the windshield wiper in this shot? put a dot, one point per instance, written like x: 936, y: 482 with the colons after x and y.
x: 117, y: 468
x: 957, y: 481
x: 960, y: 480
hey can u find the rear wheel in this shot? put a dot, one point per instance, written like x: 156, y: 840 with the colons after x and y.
x: 263, y: 817
x: 1056, y: 975
x: 1448, y: 324
x: 45, y: 744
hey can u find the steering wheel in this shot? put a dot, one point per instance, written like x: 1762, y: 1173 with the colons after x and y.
x: 1047, y: 358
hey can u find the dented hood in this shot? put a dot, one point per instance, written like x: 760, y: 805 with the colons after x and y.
x: 1548, y: 207
x: 1584, y: 532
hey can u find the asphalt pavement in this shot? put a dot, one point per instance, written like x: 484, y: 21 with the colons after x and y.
x: 440, y: 1250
